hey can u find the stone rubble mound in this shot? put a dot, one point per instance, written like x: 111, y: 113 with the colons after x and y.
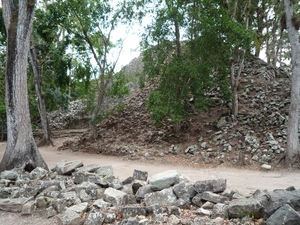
x: 74, y: 117
x: 256, y: 136
x: 89, y: 195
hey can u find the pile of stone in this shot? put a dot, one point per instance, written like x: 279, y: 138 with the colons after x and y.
x: 92, y: 194
x: 73, y: 117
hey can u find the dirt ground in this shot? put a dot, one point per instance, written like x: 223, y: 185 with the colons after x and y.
x: 245, y: 181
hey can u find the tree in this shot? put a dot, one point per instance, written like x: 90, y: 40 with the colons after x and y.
x: 190, y: 65
x: 91, y: 24
x: 47, y: 135
x: 21, y: 150
x: 293, y: 26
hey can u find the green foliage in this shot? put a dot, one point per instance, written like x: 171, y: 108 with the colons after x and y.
x: 118, y: 87
x: 195, y: 66
x: 56, y: 100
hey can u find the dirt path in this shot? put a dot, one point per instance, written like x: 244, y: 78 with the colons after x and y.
x: 245, y: 181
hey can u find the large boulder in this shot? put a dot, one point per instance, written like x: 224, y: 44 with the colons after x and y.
x: 66, y: 168
x: 284, y: 215
x: 115, y: 197
x: 163, y: 197
x: 216, y: 185
x: 13, y: 204
x: 278, y: 198
x: 242, y: 207
x: 164, y: 180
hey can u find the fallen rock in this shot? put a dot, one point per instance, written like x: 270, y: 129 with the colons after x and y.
x: 164, y: 180
x: 284, y: 215
x: 215, y: 186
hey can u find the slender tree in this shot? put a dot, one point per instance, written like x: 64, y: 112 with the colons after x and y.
x: 293, y: 26
x: 21, y: 150
x: 37, y: 73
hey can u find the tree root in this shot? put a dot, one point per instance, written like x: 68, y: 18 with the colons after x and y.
x: 45, y: 142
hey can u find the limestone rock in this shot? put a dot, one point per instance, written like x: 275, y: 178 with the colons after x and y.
x: 216, y: 186
x: 13, y: 204
x: 164, y: 180
x: 94, y: 218
x: 140, y: 175
x: 242, y: 207
x: 68, y: 217
x: 115, y: 197
x: 66, y: 168
x: 163, y: 197
x: 284, y: 215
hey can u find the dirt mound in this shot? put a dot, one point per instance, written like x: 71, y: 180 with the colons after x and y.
x: 256, y: 136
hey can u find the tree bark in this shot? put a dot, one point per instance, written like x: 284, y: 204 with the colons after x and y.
x: 47, y: 135
x: 21, y: 150
x: 292, y: 152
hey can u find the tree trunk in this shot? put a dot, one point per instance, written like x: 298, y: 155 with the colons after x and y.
x: 292, y: 153
x: 21, y: 150
x: 47, y: 135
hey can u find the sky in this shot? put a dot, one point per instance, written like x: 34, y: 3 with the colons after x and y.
x: 131, y: 45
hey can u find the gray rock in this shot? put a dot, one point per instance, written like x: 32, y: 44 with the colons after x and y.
x: 109, y: 218
x: 28, y: 208
x: 181, y: 190
x: 183, y: 204
x: 96, y: 179
x: 208, y: 205
x: 163, y: 197
x: 68, y: 217
x: 88, y: 169
x: 128, y: 180
x: 9, y: 175
x: 43, y: 201
x: 80, y: 177
x: 197, y: 200
x: 203, y: 212
x: 136, y: 185
x: 142, y: 191
x: 79, y: 208
x: 71, y: 198
x: 38, y: 173
x: 216, y: 186
x: 66, y: 168
x: 140, y: 175
x: 13, y: 205
x: 133, y: 210
x: 220, y: 210
x: 115, y: 197
x: 105, y: 171
x: 213, y: 197
x: 6, y: 192
x: 115, y: 183
x: 164, y: 180
x: 128, y: 189
x: 174, y: 149
x: 284, y: 215
x: 59, y: 205
x: 242, y: 207
x: 50, y: 212
x: 100, y: 203
x: 221, y: 122
x: 278, y: 198
x: 129, y: 221
x: 173, y: 220
x: 191, y: 149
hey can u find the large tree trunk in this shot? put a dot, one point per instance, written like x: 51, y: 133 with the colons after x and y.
x: 47, y: 135
x: 292, y: 152
x: 21, y: 150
